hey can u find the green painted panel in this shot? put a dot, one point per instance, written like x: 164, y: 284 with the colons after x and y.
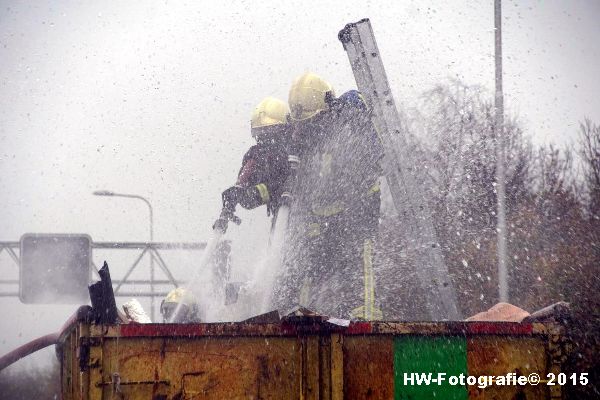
x: 428, y: 356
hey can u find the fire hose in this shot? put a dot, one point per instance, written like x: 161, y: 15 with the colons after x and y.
x: 43, y: 341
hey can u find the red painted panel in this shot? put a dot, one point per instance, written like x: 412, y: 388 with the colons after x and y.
x: 359, y: 328
x: 191, y: 330
x: 498, y: 328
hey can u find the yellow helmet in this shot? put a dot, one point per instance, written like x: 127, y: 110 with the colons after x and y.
x: 188, y: 311
x: 270, y: 112
x: 309, y: 96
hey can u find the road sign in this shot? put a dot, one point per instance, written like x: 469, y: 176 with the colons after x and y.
x: 55, y: 268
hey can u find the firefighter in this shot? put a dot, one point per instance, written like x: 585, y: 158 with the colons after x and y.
x: 188, y: 312
x: 335, y: 210
x: 264, y: 167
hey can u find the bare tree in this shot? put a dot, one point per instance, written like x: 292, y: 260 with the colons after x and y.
x: 589, y: 151
x: 458, y: 127
x: 40, y: 383
x: 552, y: 245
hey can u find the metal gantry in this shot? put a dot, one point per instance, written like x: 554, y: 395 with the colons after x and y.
x: 10, y: 287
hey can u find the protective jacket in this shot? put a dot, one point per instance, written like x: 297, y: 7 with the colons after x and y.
x: 260, y: 179
x: 335, y: 213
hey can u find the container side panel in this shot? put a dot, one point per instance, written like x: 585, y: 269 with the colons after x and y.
x: 207, y: 368
x: 368, y: 367
x: 75, y: 367
x: 311, y: 364
x: 426, y: 356
x: 70, y: 374
x: 66, y: 368
x: 500, y: 355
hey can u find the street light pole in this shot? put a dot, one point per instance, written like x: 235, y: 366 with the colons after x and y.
x: 135, y: 196
x: 501, y: 252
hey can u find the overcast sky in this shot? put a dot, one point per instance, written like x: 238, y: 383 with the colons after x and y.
x: 154, y: 98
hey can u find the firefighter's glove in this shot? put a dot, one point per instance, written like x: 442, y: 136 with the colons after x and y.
x: 232, y: 196
x: 223, y: 221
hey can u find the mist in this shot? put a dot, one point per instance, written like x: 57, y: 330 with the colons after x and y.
x: 155, y: 99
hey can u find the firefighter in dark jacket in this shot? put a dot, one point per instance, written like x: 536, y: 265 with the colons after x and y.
x: 335, y: 211
x: 264, y: 167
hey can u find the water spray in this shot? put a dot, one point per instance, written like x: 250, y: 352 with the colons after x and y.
x: 219, y: 229
x: 272, y: 266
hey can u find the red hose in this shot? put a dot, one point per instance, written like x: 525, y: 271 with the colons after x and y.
x: 44, y: 341
x: 27, y: 349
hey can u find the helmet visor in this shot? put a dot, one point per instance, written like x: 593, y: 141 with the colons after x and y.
x: 168, y: 311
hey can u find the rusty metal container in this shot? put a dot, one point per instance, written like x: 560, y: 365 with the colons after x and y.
x: 304, y: 358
